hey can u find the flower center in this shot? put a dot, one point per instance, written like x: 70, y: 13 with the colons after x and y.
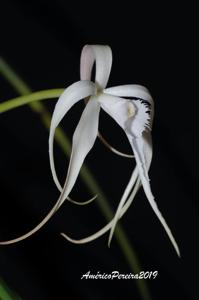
x: 98, y: 90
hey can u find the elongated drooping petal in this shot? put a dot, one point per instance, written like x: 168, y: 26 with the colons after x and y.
x: 36, y: 228
x: 81, y: 203
x: 70, y: 96
x: 137, y: 145
x: 139, y: 121
x: 102, y: 56
x: 124, y: 112
x: 147, y: 153
x: 110, y: 224
x: 83, y: 140
x: 124, y: 198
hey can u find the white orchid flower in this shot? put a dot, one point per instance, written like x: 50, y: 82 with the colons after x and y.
x: 132, y: 107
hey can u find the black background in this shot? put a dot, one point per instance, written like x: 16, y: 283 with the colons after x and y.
x: 153, y: 46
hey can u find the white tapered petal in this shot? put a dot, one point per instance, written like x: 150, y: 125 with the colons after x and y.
x: 43, y: 222
x: 83, y: 140
x: 69, y: 97
x: 107, y: 227
x: 102, y: 56
x: 82, y: 202
x: 138, y: 149
x: 36, y: 228
x: 148, y: 156
x: 130, y: 90
x: 124, y: 198
x: 147, y: 151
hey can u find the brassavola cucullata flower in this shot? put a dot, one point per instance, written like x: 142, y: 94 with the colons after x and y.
x: 132, y: 107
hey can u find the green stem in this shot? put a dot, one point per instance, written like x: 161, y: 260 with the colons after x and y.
x: 6, y: 293
x: 27, y: 99
x: 20, y: 86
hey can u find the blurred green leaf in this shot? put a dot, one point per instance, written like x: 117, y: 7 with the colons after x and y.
x: 6, y: 293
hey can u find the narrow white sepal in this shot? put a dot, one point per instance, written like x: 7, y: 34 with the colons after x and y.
x: 69, y: 97
x: 81, y: 202
x: 137, y: 146
x: 107, y: 227
x: 83, y: 140
x: 147, y: 153
x: 124, y: 198
x: 102, y: 56
x: 36, y: 228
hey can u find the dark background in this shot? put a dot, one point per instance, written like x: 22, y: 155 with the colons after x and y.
x: 153, y: 46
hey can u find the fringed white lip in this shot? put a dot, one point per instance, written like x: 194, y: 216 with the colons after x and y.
x: 134, y: 115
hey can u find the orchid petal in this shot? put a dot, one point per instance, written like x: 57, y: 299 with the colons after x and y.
x: 36, y: 228
x: 70, y: 96
x: 83, y: 140
x: 107, y: 227
x: 130, y: 90
x: 102, y: 231
x: 102, y: 56
x: 42, y: 223
x: 82, y: 202
x: 137, y: 145
x: 125, y: 195
x: 147, y: 150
